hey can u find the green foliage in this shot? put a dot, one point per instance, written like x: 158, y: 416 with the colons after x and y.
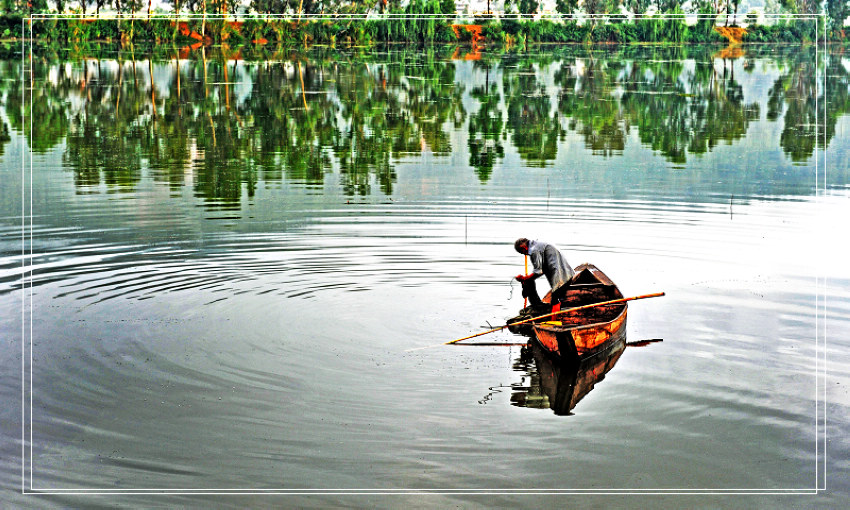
x: 838, y: 11
x: 605, y: 33
x: 566, y: 6
x: 86, y: 30
x: 674, y: 28
x: 427, y: 30
x: 647, y: 29
x: 155, y: 29
x: 546, y: 31
x: 420, y: 30
x: 572, y: 32
x: 528, y: 6
x: 638, y: 7
x: 781, y: 32
x: 703, y: 31
x: 372, y: 115
x: 11, y: 25
x: 492, y: 31
x: 511, y: 26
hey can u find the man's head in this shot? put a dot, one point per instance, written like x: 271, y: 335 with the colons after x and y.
x: 521, y: 245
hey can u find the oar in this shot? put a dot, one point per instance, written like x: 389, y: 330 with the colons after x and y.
x: 494, y: 344
x: 643, y: 343
x: 583, y: 307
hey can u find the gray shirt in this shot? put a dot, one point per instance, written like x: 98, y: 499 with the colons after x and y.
x: 547, y: 260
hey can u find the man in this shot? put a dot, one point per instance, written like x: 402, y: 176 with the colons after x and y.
x: 547, y: 260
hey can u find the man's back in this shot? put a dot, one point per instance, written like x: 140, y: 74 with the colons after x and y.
x: 549, y: 261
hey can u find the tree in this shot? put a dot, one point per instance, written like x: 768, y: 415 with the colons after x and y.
x: 837, y: 12
x: 801, y: 6
x: 638, y: 7
x: 732, y: 5
x: 668, y: 5
x: 600, y: 7
x: 709, y: 7
x: 566, y: 6
x: 528, y: 6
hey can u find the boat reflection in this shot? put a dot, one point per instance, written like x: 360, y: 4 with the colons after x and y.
x: 560, y: 385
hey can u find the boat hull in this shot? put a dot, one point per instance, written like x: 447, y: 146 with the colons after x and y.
x: 582, y: 341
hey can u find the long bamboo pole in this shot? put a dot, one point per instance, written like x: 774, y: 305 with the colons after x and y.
x: 583, y: 307
x: 524, y: 301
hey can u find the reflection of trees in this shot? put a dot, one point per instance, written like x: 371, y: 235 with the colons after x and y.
x: 534, y: 127
x: 836, y: 95
x: 46, y: 104
x: 4, y: 136
x: 719, y: 108
x: 5, y: 85
x: 365, y: 141
x: 102, y: 146
x: 167, y: 142
x: 182, y: 119
x: 678, y: 112
x: 393, y: 109
x: 793, y: 94
x: 486, y: 127
x: 222, y: 125
x: 290, y: 131
x: 810, y: 109
x: 586, y: 99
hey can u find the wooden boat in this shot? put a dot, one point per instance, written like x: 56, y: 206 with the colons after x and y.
x: 583, y: 333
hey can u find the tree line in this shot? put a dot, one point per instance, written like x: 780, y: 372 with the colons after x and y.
x: 833, y: 8
x: 614, y: 19
x: 836, y: 10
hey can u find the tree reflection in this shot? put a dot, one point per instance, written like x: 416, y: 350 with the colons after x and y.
x: 808, y: 105
x: 102, y: 145
x: 209, y: 119
x: 486, y: 126
x: 535, y: 129
x: 587, y: 100
x: 682, y: 111
x: 47, y: 106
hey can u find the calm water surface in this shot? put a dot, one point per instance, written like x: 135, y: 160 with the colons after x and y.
x: 226, y: 259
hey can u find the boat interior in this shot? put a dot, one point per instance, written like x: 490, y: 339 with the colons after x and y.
x: 588, y: 285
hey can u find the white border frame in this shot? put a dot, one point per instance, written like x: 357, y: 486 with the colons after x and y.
x: 27, y: 43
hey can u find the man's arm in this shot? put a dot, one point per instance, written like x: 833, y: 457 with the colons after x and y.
x: 525, y: 277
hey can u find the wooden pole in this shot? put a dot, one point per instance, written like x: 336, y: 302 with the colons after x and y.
x: 494, y: 344
x: 303, y: 91
x: 583, y: 307
x: 524, y: 301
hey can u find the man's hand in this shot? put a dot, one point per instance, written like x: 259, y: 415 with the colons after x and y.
x: 522, y: 277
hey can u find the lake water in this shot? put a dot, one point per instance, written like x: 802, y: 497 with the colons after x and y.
x: 215, y: 266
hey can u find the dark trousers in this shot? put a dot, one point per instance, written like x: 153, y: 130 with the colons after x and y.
x: 529, y: 290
